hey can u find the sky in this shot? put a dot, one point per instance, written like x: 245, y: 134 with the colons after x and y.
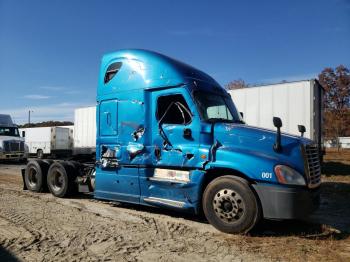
x: 50, y: 50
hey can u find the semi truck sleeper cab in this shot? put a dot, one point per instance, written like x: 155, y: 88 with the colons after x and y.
x: 168, y: 135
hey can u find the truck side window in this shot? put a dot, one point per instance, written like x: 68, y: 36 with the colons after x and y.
x: 112, y: 70
x: 173, y: 109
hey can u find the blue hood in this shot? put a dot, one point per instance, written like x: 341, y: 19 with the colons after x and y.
x: 251, y: 148
x: 248, y: 136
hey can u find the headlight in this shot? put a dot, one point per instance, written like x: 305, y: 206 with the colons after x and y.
x: 289, y: 176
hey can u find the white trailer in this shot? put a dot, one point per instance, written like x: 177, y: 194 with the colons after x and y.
x: 296, y: 103
x: 85, y: 131
x: 45, y: 141
x: 343, y: 142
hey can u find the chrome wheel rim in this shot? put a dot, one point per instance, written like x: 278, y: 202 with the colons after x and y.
x: 228, y: 205
x: 33, y: 177
x: 57, y: 180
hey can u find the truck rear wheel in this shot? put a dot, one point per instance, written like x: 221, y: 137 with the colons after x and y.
x: 230, y: 205
x: 40, y: 154
x: 61, y: 179
x: 35, y: 175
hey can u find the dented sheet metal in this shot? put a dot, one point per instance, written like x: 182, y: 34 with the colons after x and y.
x: 134, y: 149
x: 138, y: 133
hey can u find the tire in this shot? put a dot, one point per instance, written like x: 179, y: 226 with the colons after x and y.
x: 48, y: 161
x: 61, y: 179
x: 35, y: 175
x: 230, y: 205
x: 74, y: 164
x: 40, y: 154
x: 92, y: 180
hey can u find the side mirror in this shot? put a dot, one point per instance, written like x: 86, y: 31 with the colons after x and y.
x: 187, y: 133
x: 242, y: 115
x: 301, y: 129
x: 23, y: 133
x: 277, y: 122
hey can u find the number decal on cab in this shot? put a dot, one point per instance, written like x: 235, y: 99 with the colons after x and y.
x: 266, y: 175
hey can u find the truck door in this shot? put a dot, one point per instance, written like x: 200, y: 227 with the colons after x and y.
x: 116, y: 181
x: 175, y: 129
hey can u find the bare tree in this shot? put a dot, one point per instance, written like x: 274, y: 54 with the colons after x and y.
x: 236, y: 84
x: 336, y: 83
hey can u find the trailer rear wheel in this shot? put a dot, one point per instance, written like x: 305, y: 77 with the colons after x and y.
x: 35, y: 175
x: 230, y: 205
x: 61, y: 179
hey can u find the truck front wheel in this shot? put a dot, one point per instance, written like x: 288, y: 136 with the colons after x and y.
x: 230, y: 205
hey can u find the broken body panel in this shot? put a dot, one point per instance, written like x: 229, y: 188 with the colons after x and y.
x: 155, y: 147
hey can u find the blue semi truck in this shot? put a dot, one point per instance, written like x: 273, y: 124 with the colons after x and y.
x: 168, y: 135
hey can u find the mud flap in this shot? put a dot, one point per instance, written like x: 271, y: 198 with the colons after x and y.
x: 23, y: 171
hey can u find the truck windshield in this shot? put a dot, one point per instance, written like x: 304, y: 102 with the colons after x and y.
x: 9, y: 131
x: 217, y: 108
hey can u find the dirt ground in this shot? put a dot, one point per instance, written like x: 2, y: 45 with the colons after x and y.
x: 40, y: 227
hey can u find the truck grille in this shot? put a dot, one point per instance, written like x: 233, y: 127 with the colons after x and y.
x: 313, y: 165
x: 13, y: 146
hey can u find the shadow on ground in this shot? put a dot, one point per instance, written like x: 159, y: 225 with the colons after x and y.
x: 335, y: 168
x: 330, y: 221
x: 7, y: 256
x: 299, y: 228
x: 12, y: 162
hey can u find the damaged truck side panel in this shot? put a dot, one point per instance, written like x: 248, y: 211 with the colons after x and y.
x: 143, y: 127
x: 168, y: 135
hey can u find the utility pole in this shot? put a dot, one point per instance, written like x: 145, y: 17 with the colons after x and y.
x: 29, y: 111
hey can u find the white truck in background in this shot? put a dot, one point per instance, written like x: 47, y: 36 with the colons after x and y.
x: 85, y: 131
x: 296, y: 103
x: 12, y: 146
x: 48, y: 141
x: 64, y: 141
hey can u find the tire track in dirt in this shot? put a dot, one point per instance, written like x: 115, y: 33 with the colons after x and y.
x: 67, y: 229
x: 40, y: 227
